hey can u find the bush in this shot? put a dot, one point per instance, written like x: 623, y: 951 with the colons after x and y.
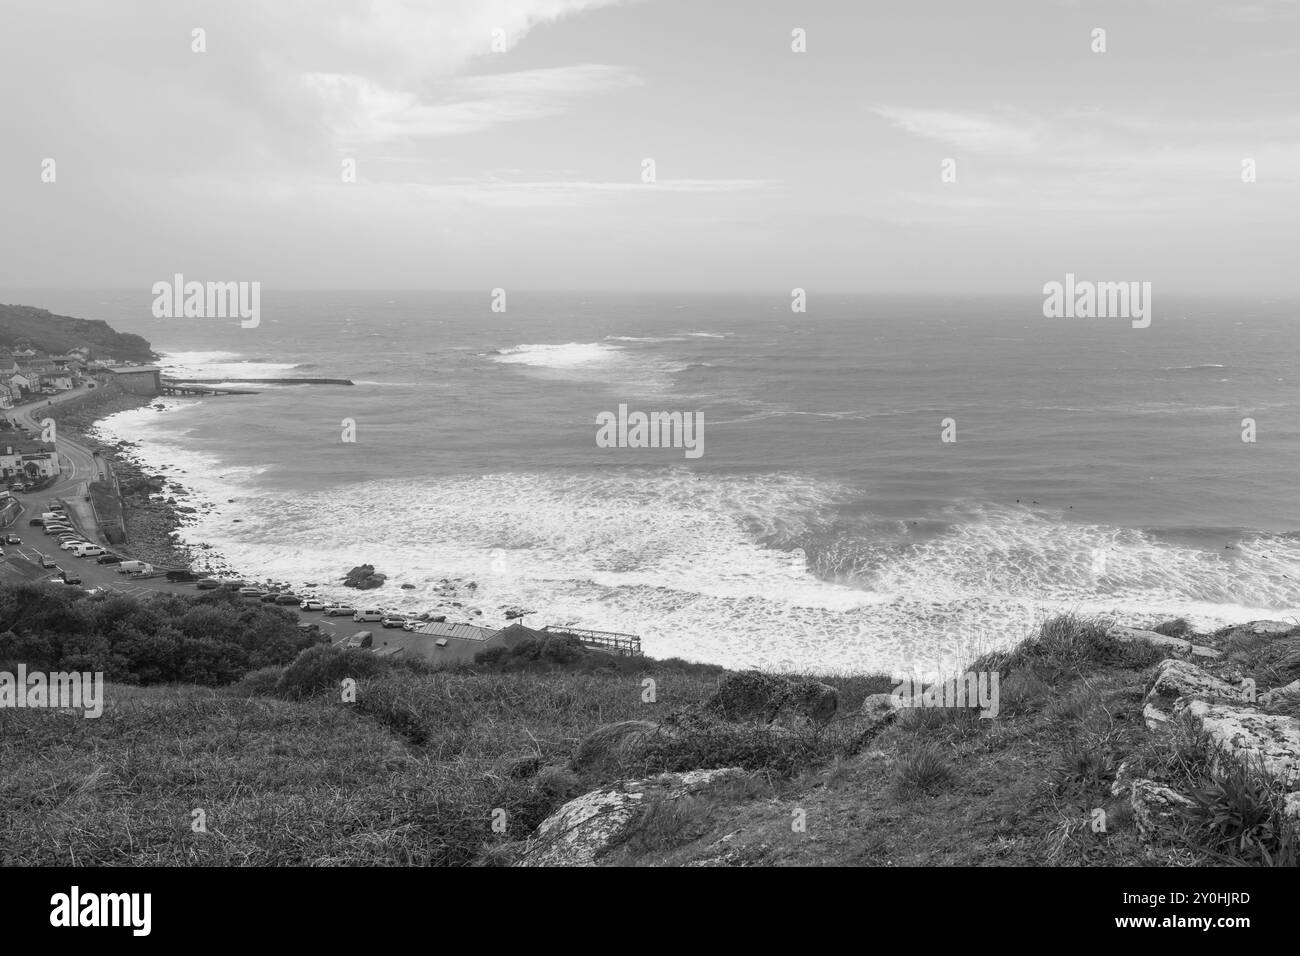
x: 323, y: 667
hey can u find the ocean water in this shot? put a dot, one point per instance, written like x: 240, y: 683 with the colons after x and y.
x: 1097, y: 467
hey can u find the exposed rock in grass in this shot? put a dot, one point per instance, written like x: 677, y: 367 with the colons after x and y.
x: 1178, y: 645
x: 1175, y: 679
x: 1155, y: 806
x: 582, y: 830
x: 1249, y: 736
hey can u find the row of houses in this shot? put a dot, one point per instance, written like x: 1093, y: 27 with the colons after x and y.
x: 26, y: 374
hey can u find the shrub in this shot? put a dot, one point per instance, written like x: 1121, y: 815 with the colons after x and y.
x: 1240, y: 812
x: 322, y: 667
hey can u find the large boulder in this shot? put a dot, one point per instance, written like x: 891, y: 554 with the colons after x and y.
x: 792, y: 702
x: 583, y: 830
x: 1249, y: 736
x: 1175, y: 679
x: 364, y: 578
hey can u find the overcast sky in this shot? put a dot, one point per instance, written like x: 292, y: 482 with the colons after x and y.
x: 774, y: 169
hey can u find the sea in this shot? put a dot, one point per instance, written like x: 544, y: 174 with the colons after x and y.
x: 1095, y: 468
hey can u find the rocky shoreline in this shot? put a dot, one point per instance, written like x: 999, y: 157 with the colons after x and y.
x: 153, y: 505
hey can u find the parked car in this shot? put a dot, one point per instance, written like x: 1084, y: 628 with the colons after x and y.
x: 109, y: 559
x: 251, y: 592
x: 309, y: 627
x: 412, y: 625
x: 368, y: 615
x: 268, y: 597
x: 13, y: 539
x: 35, y: 522
x: 340, y: 610
x: 394, y: 621
x: 286, y: 599
x: 207, y: 584
x: 48, y: 562
x: 88, y: 551
x: 71, y: 543
x: 183, y: 576
x: 134, y: 567
x: 234, y: 584
x: 312, y: 605
x: 70, y: 578
x: 360, y: 639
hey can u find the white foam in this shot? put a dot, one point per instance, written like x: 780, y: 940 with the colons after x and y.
x: 568, y: 356
x: 711, y: 567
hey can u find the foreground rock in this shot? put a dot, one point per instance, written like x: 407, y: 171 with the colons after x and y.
x: 1178, y: 645
x: 1176, y: 679
x: 583, y: 830
x: 1270, y: 741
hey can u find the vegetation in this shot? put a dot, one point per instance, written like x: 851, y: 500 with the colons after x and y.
x: 45, y: 332
x: 333, y: 756
x: 211, y: 639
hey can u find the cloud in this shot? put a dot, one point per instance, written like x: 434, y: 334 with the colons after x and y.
x: 361, y: 112
x: 968, y: 131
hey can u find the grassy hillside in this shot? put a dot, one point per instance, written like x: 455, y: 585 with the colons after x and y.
x: 47, y: 332
x: 418, y: 767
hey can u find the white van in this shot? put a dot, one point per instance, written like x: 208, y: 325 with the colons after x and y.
x: 368, y: 614
x: 134, y: 567
x: 88, y: 551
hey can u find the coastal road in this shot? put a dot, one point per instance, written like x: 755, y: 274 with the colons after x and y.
x: 78, y: 465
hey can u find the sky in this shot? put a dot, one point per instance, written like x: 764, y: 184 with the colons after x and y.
x: 504, y: 143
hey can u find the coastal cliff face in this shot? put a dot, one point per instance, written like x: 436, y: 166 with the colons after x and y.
x: 46, y: 332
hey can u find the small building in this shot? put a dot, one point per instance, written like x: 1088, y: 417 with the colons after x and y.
x: 29, y: 464
x: 138, y: 379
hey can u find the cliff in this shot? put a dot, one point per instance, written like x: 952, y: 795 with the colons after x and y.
x: 42, y: 330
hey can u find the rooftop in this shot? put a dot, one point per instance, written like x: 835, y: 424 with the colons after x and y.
x: 464, y: 632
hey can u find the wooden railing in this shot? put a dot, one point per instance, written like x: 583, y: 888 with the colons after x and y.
x: 628, y: 645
